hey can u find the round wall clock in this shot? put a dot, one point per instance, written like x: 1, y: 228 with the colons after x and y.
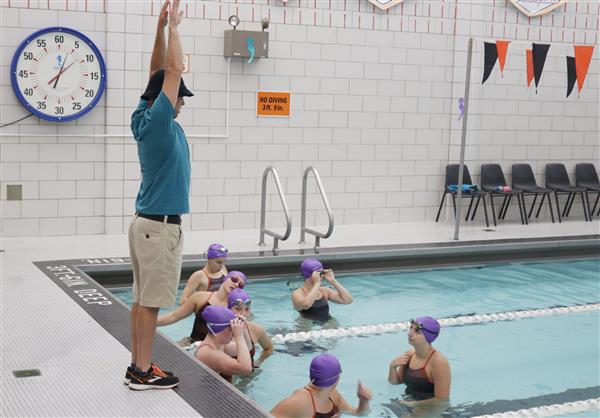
x: 58, y: 74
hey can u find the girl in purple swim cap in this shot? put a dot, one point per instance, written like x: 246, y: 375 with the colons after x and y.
x: 320, y: 398
x: 209, y: 277
x: 424, y: 370
x: 198, y: 302
x: 240, y: 304
x: 224, y: 326
x: 311, y: 300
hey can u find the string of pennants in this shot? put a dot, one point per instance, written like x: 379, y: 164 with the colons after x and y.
x: 577, y: 65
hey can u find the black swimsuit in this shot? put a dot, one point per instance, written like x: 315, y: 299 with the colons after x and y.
x: 417, y: 382
x: 319, y: 311
x: 214, y: 284
x: 200, y: 330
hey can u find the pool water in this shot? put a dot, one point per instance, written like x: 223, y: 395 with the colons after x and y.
x: 490, y: 362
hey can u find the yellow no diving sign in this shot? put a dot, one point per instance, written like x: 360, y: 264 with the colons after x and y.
x: 273, y: 103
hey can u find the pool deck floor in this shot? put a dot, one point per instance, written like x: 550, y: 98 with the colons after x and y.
x: 82, y: 365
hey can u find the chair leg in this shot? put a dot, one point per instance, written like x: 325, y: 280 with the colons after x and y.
x: 493, y: 210
x: 504, y: 205
x: 437, y: 218
x: 454, y: 203
x: 521, y: 209
x: 470, y: 206
x: 583, y: 203
x: 487, y: 222
x: 587, y: 202
x: 537, y: 214
x: 596, y: 203
x: 532, y: 205
x: 476, y: 206
x: 550, y: 205
x: 557, y: 207
x: 567, y: 210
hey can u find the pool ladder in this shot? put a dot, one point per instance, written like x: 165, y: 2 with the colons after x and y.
x: 303, y: 228
x: 263, y: 208
x: 288, y: 220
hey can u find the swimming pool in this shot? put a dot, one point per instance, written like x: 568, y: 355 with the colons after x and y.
x: 495, y: 361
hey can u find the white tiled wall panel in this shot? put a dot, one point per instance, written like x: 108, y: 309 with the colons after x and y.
x: 374, y: 108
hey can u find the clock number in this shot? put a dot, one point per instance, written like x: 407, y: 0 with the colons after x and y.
x: 59, y: 39
x: 27, y: 56
x: 94, y: 76
x: 28, y: 92
x: 89, y: 58
x: 59, y: 110
x: 76, y: 44
x: 41, y: 105
x: 24, y: 74
x: 41, y: 43
x: 89, y: 93
x: 76, y: 106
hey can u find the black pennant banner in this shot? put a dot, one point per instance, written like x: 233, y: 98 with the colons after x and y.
x: 490, y: 57
x: 571, y: 74
x: 539, y: 53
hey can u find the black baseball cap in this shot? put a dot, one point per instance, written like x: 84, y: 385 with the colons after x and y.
x: 155, y: 86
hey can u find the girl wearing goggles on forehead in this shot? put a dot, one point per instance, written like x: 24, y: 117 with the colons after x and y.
x: 311, y: 300
x: 198, y: 302
x: 239, y: 303
x: 424, y: 370
x: 224, y: 326
x: 211, y: 276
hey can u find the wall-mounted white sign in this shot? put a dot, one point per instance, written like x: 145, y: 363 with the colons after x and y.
x: 534, y: 8
x: 385, y: 4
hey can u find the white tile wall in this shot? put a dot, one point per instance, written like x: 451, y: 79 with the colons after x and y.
x: 374, y: 108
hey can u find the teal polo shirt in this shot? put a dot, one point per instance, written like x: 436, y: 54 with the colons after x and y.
x: 164, y: 159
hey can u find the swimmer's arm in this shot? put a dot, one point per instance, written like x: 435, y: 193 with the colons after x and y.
x: 344, y: 406
x: 265, y: 343
x: 290, y: 407
x: 159, y: 54
x: 183, y: 311
x: 396, y: 369
x: 341, y: 295
x: 197, y: 282
x: 304, y: 301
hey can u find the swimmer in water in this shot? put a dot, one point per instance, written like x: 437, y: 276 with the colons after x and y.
x: 211, y: 276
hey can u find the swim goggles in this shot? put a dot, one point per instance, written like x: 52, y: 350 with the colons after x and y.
x: 240, y: 302
x: 240, y: 283
x: 419, y: 327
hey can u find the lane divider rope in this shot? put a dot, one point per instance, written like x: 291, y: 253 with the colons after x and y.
x: 444, y: 322
x: 567, y: 409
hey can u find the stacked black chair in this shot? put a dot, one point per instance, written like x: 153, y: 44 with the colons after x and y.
x: 523, y: 179
x: 557, y: 179
x: 586, y: 176
x: 452, y: 179
x: 492, y: 181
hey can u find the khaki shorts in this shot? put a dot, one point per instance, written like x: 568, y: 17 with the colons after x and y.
x: 155, y: 249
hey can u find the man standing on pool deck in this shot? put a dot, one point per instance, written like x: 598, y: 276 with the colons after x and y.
x: 155, y: 235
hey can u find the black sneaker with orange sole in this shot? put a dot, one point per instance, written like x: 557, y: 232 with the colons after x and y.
x: 130, y: 369
x: 155, y: 378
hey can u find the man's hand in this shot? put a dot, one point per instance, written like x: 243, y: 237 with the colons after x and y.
x: 163, y: 17
x: 175, y: 15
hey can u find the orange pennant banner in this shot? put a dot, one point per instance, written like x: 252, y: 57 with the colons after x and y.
x: 502, y: 47
x: 583, y: 57
x: 529, y: 56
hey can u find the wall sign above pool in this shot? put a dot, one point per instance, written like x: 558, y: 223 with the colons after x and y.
x: 385, y: 4
x: 534, y: 8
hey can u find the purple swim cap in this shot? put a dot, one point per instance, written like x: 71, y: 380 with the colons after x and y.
x: 310, y: 265
x: 430, y: 327
x: 235, y: 296
x: 217, y: 318
x: 324, y: 370
x: 234, y: 273
x: 216, y: 251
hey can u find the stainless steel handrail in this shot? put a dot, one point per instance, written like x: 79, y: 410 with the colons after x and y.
x: 303, y: 229
x: 263, y: 201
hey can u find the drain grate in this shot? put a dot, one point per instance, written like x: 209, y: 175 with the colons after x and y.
x: 489, y: 230
x: 27, y: 373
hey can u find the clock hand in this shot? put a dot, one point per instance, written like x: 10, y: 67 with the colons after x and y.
x: 60, y: 71
x: 57, y: 75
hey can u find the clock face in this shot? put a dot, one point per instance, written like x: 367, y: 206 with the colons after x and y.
x: 58, y: 74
